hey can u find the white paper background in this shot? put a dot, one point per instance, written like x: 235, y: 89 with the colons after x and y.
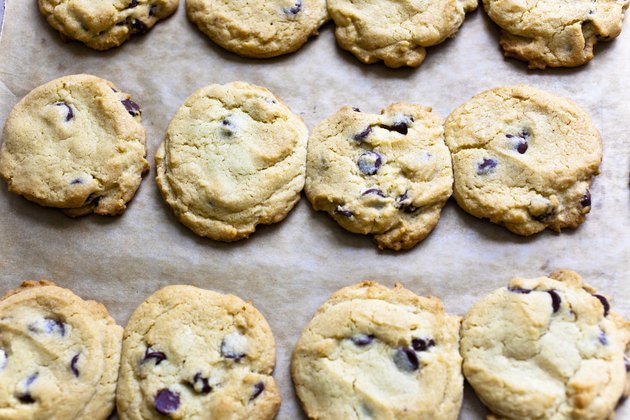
x: 290, y: 268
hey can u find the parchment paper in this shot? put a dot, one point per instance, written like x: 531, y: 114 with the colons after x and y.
x: 290, y: 268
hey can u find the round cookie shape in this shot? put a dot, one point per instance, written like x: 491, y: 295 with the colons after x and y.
x: 396, y: 31
x: 379, y: 353
x: 259, y: 29
x: 233, y: 157
x: 548, y: 347
x: 388, y: 175
x: 59, y: 355
x: 75, y: 143
x: 523, y: 158
x: 104, y: 24
x: 192, y: 353
x: 554, y: 33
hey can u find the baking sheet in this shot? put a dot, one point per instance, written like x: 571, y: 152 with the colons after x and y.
x: 290, y: 268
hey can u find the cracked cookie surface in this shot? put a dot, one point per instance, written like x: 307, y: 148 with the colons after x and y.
x: 555, y: 33
x: 233, y: 157
x: 75, y: 143
x: 523, y: 158
x: 59, y: 355
x: 546, y: 348
x: 388, y: 175
x: 396, y: 31
x: 103, y: 24
x: 258, y: 29
x: 193, y: 353
x: 379, y: 353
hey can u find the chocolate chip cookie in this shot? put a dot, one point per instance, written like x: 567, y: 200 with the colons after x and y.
x: 546, y: 348
x: 379, y: 353
x: 524, y: 158
x: 388, y: 175
x: 554, y: 33
x: 233, y: 157
x: 258, y: 29
x: 192, y: 353
x: 59, y: 355
x: 396, y: 31
x: 76, y: 143
x: 104, y: 24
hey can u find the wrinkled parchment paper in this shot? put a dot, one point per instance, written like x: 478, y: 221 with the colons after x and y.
x: 290, y: 268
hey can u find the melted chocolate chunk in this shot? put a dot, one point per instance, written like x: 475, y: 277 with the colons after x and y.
x: 362, y: 340
x: 26, y: 398
x: 586, y: 199
x: 406, y: 359
x: 603, y: 338
x: 605, y: 303
x: 76, y: 181
x: 93, y: 199
x: 369, y: 162
x: 73, y: 365
x: 152, y: 354
x: 519, y: 290
x: 355, y: 109
x: 363, y: 134
x: 132, y: 4
x: 404, y: 206
x: 69, y: 114
x: 486, y: 166
x: 343, y: 212
x: 422, y: 344
x: 139, y: 26
x: 48, y: 326
x: 374, y: 191
x: 131, y: 107
x: 228, y: 127
x: 555, y: 300
x: 231, y: 353
x: 258, y: 389
x: 200, y: 384
x: 293, y: 10
x: 166, y: 401
x: 401, y: 126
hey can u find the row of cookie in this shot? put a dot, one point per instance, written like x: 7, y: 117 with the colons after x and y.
x: 548, y: 347
x: 235, y: 156
x: 547, y: 33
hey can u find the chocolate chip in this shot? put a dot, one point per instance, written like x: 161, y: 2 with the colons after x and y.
x: 232, y: 347
x: 93, y: 199
x: 139, y: 26
x: 355, y: 109
x: 586, y: 199
x: 603, y: 338
x: 362, y: 340
x: 69, y: 113
x: 258, y: 389
x: 73, y: 365
x: 403, y: 205
x: 605, y: 303
x: 343, y: 212
x: 200, y: 384
x: 26, y: 398
x: 295, y: 9
x: 157, y: 355
x: 401, y: 126
x: 519, y: 290
x: 363, y: 134
x: 227, y: 127
x: 131, y: 107
x: 422, y: 344
x: 486, y: 166
x: 133, y: 4
x: 626, y: 362
x: 48, y: 326
x: 406, y: 359
x: 555, y: 300
x: 76, y: 181
x: 522, y: 147
x: 374, y: 191
x: 166, y: 401
x: 369, y: 162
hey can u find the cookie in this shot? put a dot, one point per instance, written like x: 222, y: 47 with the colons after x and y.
x: 379, y: 353
x: 388, y: 175
x: 192, y: 353
x: 75, y: 143
x: 546, y: 348
x: 259, y: 29
x: 104, y: 24
x: 59, y: 355
x: 233, y: 157
x: 396, y: 31
x: 553, y: 33
x: 523, y: 158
